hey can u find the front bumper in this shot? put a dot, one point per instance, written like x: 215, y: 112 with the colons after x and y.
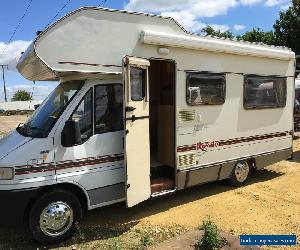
x: 13, y: 204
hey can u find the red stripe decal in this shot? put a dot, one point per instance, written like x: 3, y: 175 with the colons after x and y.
x: 29, y: 169
x: 204, y: 145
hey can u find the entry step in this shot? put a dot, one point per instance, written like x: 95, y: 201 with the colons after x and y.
x: 161, y: 184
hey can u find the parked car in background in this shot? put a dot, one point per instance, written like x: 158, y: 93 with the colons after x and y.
x: 2, y: 111
x: 297, y: 105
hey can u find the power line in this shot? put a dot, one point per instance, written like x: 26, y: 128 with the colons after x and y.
x: 31, y: 95
x: 17, y: 27
x: 102, y: 3
x: 61, y: 9
x: 32, y: 92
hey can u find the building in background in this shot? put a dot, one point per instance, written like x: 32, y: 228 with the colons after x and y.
x: 20, y: 105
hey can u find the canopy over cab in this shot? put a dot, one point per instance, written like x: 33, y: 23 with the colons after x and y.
x: 90, y: 40
x: 94, y: 40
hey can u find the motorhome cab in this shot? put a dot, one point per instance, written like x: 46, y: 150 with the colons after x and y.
x: 143, y: 109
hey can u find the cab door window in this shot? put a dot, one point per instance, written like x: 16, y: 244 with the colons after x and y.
x: 83, y: 116
x: 108, y: 108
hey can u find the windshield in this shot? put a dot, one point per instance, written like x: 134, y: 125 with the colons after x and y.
x: 44, y: 118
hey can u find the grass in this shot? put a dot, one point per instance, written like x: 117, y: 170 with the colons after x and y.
x: 124, y: 236
x: 111, y: 237
x: 2, y: 134
x: 146, y: 240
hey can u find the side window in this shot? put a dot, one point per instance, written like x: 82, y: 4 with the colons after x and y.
x: 264, y: 92
x: 137, y: 83
x: 108, y: 108
x: 83, y: 117
x: 205, y: 89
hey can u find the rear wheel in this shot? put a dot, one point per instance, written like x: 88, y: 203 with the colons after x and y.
x: 54, y: 215
x: 240, y: 174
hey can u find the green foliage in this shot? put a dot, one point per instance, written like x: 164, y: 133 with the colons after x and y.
x: 259, y: 36
x: 286, y: 30
x: 146, y: 240
x: 116, y: 245
x: 81, y: 235
x: 21, y: 95
x: 210, y: 31
x: 287, y: 27
x: 256, y: 35
x: 211, y: 239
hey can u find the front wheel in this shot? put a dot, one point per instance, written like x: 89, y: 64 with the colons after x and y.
x: 54, y: 215
x: 240, y: 174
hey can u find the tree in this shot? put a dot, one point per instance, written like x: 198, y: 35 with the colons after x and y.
x: 259, y: 36
x: 286, y: 30
x: 210, y: 31
x: 21, y: 95
x: 287, y: 27
x: 256, y: 35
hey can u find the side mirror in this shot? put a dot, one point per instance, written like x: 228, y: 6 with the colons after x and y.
x: 70, y: 135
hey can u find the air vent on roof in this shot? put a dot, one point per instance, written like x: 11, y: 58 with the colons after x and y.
x: 186, y: 115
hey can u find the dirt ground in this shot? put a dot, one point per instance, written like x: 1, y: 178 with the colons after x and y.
x: 8, y: 123
x: 269, y: 204
x: 188, y: 240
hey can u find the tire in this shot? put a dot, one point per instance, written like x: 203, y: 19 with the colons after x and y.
x: 66, y: 212
x: 240, y: 174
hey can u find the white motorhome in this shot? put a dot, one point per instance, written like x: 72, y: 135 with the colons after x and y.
x: 143, y: 109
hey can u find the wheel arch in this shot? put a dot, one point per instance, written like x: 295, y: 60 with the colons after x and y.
x: 252, y: 162
x: 75, y: 188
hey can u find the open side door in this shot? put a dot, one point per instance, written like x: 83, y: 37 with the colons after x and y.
x: 136, y: 138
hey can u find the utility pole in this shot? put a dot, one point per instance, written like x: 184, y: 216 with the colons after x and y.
x: 4, y: 86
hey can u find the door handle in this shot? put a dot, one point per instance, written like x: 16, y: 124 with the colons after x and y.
x: 134, y: 118
x: 129, y: 109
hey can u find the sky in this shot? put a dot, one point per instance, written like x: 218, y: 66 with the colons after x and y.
x: 237, y: 16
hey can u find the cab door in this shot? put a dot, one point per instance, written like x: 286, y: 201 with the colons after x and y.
x: 137, y: 141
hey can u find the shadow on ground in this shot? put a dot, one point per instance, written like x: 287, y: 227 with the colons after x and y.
x: 296, y: 157
x: 115, y: 220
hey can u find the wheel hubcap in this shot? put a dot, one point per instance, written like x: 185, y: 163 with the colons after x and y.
x: 241, y: 171
x: 56, y: 219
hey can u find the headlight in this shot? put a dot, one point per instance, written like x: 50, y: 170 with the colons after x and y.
x: 6, y: 173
